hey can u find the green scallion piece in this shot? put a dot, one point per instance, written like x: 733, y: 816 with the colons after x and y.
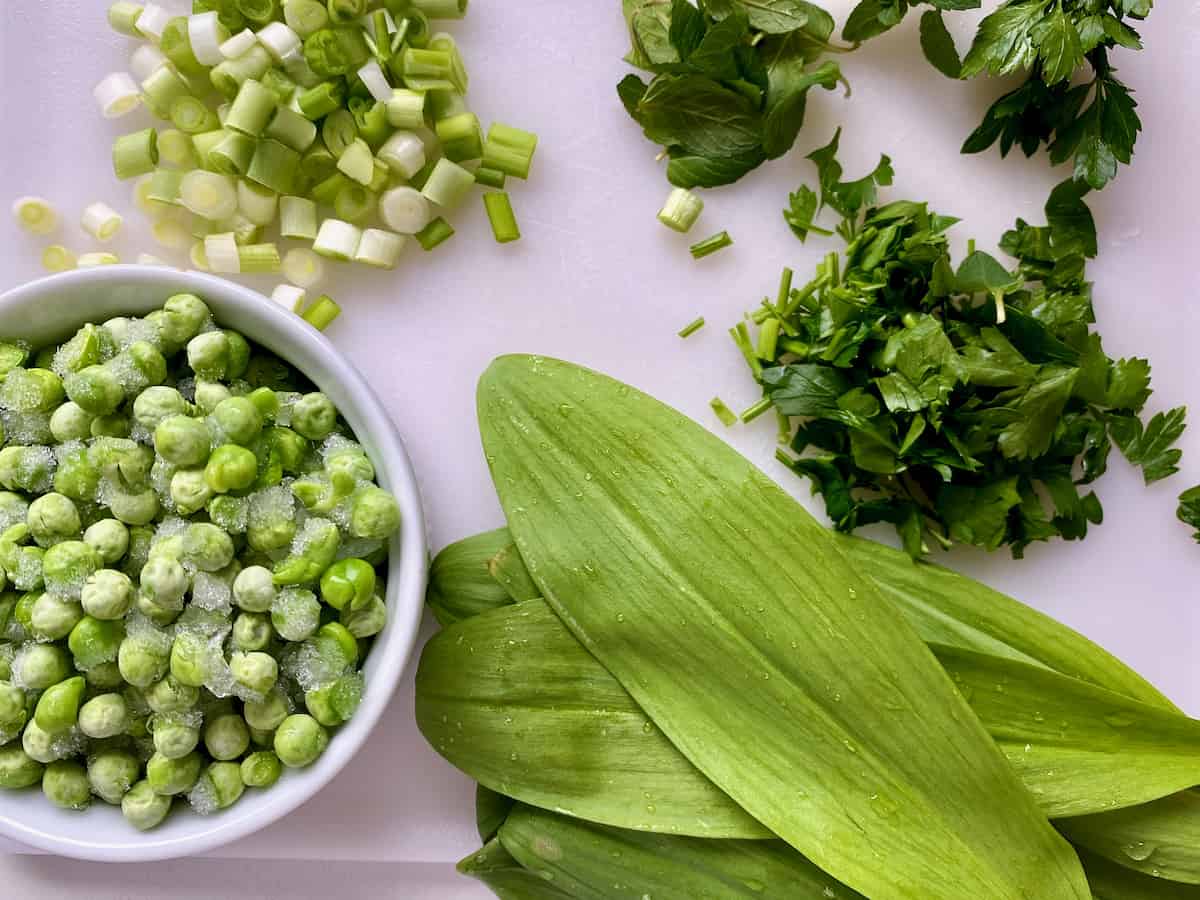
x: 448, y: 184
x: 190, y: 115
x: 510, y: 150
x: 274, y: 166
x: 321, y: 100
x: 382, y: 43
x: 177, y: 47
x: 57, y: 258
x: 325, y: 192
x: 741, y: 337
x: 233, y: 154
x: 727, y: 416
x: 427, y: 69
x: 681, y: 210
x: 256, y: 259
x: 436, y: 232
x: 753, y: 412
x: 406, y: 109
x: 711, y: 245
x: 278, y: 83
x: 785, y: 289
x: 461, y: 137
x: 768, y: 340
x: 202, y: 145
x: 343, y: 12
x: 165, y: 186
x: 161, y: 89
x: 492, y: 178
x: 381, y: 178
x: 123, y: 16
x: 442, y: 9
x: 371, y: 120
x: 257, y: 11
x: 322, y: 312
x: 357, y: 163
x: 227, y: 77
x: 297, y: 218
x: 317, y: 163
x: 354, y: 203
x: 338, y: 131
x: 691, y: 327
x: 336, y: 51
x: 251, y: 109
x: 135, y: 154
x: 305, y: 17
x: 445, y: 104
x: 415, y: 27
x: 289, y: 127
x: 500, y: 214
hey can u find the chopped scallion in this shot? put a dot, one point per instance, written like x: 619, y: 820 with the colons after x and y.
x: 405, y: 210
x: 321, y: 100
x: 376, y: 82
x: 148, y: 259
x: 318, y: 163
x: 692, y: 327
x: 274, y: 166
x: 198, y: 257
x: 337, y: 240
x: 91, y: 260
x: 291, y: 129
x: 101, y: 221
x: 221, y: 250
x: 446, y: 104
x: 152, y: 207
x: 343, y: 12
x: 209, y: 194
x: 176, y: 148
x: 354, y: 203
x: 442, y: 9
x: 135, y: 154
x: 509, y: 150
x: 152, y: 21
x: 257, y: 11
x: 251, y: 109
x: 681, y: 210
x: 447, y: 184
x: 161, y: 89
x: 35, y: 215
x: 727, y: 416
x: 711, y: 245
x: 229, y: 75
x: 427, y: 69
x: 500, y: 214
x: 322, y: 312
x: 177, y: 46
x: 255, y: 259
x: 404, y: 153
x: 145, y: 61
x: 191, y: 115
x: 325, y: 192
x: 357, y: 162
x: 171, y: 233
x: 461, y: 137
x: 165, y: 187
x: 237, y: 45
x: 117, y: 94
x: 338, y: 131
x: 57, y: 258
x: 206, y: 35
x: 492, y: 178
x: 257, y: 203
x: 303, y: 267
x: 243, y: 230
x: 233, y: 154
x: 279, y: 39
x: 406, y: 109
x: 123, y: 16
x: 297, y: 218
x: 305, y: 17
x: 289, y: 296
x: 380, y: 248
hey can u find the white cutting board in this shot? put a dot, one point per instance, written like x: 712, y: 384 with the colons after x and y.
x: 597, y: 280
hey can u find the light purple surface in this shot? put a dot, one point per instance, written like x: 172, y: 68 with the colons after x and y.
x: 596, y: 279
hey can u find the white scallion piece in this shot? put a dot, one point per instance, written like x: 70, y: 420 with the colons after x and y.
x: 101, y: 221
x: 357, y: 162
x: 372, y: 76
x: 238, y: 44
x: 337, y: 240
x: 142, y: 189
x: 304, y: 267
x: 206, y: 34
x: 297, y: 218
x: 380, y: 248
x: 149, y: 259
x: 145, y: 61
x: 404, y: 153
x: 289, y: 297
x: 35, y: 215
x: 198, y: 257
x: 279, y: 40
x: 221, y: 251
x: 117, y: 94
x: 448, y: 184
x: 257, y: 203
x: 209, y: 195
x: 57, y: 258
x: 405, y: 210
x: 153, y: 21
x: 91, y: 260
x: 171, y: 233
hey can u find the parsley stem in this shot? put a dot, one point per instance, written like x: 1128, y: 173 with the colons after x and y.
x: 741, y: 337
x: 724, y: 413
x: 768, y: 339
x: 692, y: 327
x: 753, y: 412
x: 784, y: 435
x: 711, y: 245
x: 785, y: 288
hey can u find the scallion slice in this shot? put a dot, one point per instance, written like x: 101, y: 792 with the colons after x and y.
x: 257, y: 203
x: 91, y: 260
x: 317, y: 163
x: 135, y: 154
x: 711, y: 245
x: 338, y: 131
x: 727, y: 416
x: 233, y: 154
x: 436, y: 232
x: 354, y: 203
x: 492, y: 178
x: 381, y: 179
x: 123, y: 16
x: 177, y: 46
x: 145, y: 61
x: 325, y: 191
x: 165, y: 187
x: 357, y: 162
x: 117, y: 94
x: 461, y: 137
x: 322, y: 312
x: 162, y: 88
x: 289, y: 296
x: 221, y: 251
x: 252, y: 108
x: 406, y: 109
x: 442, y: 9
x: 258, y: 11
x: 291, y: 129
x: 152, y: 21
x: 232, y: 48
x: 279, y: 39
x: 321, y: 100
x: 101, y: 221
x: 404, y: 154
x: 380, y: 248
x: 191, y: 115
x: 171, y: 233
x: 258, y: 259
x: 177, y: 148
x: 206, y: 35
x: 427, y: 69
x: 500, y: 214
x: 681, y: 210
x: 509, y: 150
x: 229, y: 75
x: 209, y: 194
x: 274, y: 166
x: 337, y: 240
x: 303, y: 267
x: 297, y: 218
x: 448, y: 184
x: 149, y: 259
x: 150, y: 206
x: 376, y: 82
x: 405, y: 210
x: 35, y: 215
x: 278, y: 83
x: 198, y: 257
x: 305, y: 17
x: 243, y: 230
x: 57, y: 258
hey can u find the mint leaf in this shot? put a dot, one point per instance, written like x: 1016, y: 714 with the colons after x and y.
x: 806, y: 390
x: 687, y: 28
x: 700, y: 116
x: 690, y: 170
x: 787, y: 94
x: 938, y: 45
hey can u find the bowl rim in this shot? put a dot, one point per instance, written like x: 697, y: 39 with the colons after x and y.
x: 408, y: 558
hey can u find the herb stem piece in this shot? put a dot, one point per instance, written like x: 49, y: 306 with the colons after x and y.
x: 711, y: 245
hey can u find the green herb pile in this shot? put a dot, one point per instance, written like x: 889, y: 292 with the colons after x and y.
x: 830, y: 754
x: 731, y: 81
x: 1091, y: 121
x: 952, y: 401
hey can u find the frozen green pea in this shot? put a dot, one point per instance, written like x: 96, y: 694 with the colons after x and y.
x: 142, y: 364
x: 107, y: 594
x: 334, y: 642
x: 268, y: 532
x: 165, y: 582
x: 182, y: 317
x: 367, y: 621
x: 160, y: 615
x: 13, y: 509
x: 207, y: 547
x: 226, y: 737
x: 76, y: 476
x: 109, y: 538
x: 190, y: 491
x: 71, y: 422
x: 299, y: 740
x: 254, y: 589
x: 314, y: 416
x: 374, y: 514
x: 41, y: 665
x: 296, y: 614
x: 134, y: 508
x: 182, y: 441
x: 144, y: 659
x: 314, y: 551
x: 65, y: 784
x: 53, y: 518
x: 170, y: 695
x: 96, y: 390
x: 115, y: 425
x: 18, y: 769
x: 291, y: 448
x: 348, y: 584
x: 266, y: 714
x: 111, y: 774
x: 260, y: 738
x: 157, y: 403
x: 54, y: 616
x: 87, y: 347
x: 255, y: 671
x: 210, y: 395
x: 58, y: 708
x: 104, y: 716
x: 173, y: 776
x: 104, y: 677
x: 219, y: 787
x: 175, y: 738
x: 31, y: 390
x: 143, y: 808
x: 230, y: 468
x: 252, y: 631
x: 23, y: 611
x: 26, y: 468
x: 191, y: 659
x: 208, y: 355
x: 95, y: 641
x: 169, y: 547
x: 266, y: 401
x: 67, y: 565
x: 319, y: 704
x: 42, y: 745
x: 261, y: 769
x: 13, y: 712
x: 238, y: 419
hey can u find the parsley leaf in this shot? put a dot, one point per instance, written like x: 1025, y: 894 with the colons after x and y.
x: 938, y: 45
x: 1151, y: 446
x: 1189, y: 509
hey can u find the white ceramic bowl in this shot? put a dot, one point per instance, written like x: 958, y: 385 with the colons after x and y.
x: 51, y: 309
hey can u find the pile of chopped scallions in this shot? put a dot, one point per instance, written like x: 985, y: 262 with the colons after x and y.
x: 344, y: 122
